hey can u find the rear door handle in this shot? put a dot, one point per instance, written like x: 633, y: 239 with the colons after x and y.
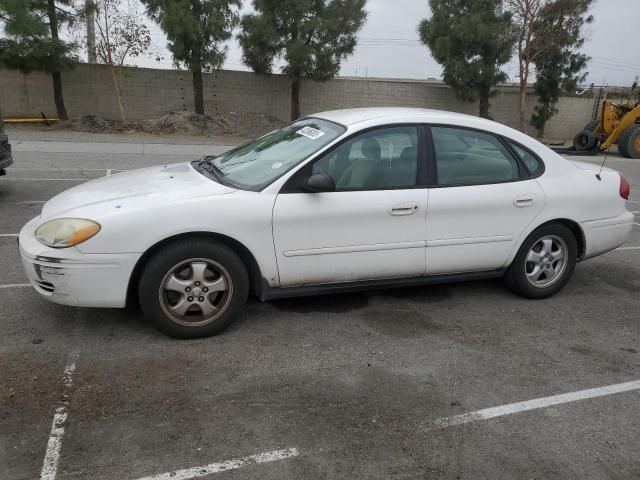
x: 524, y: 201
x: 405, y: 208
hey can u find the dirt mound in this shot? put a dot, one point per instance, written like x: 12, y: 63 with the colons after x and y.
x: 88, y: 123
x: 186, y: 123
x: 242, y: 124
x: 183, y: 123
x: 248, y: 124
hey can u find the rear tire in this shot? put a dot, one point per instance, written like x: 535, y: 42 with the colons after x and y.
x: 629, y: 142
x: 193, y: 288
x: 585, y: 141
x: 544, y: 263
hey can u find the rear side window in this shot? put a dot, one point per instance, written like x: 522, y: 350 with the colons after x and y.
x: 468, y: 157
x: 532, y: 162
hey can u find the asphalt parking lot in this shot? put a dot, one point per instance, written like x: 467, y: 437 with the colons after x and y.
x: 389, y: 384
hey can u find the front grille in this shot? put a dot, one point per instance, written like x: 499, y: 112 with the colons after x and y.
x: 46, y: 286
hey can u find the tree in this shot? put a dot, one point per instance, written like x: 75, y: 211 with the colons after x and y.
x: 33, y: 42
x: 525, y: 17
x: 311, y: 36
x: 534, y: 39
x: 121, y: 35
x: 558, y: 68
x: 90, y: 7
x: 195, y: 30
x: 471, y: 39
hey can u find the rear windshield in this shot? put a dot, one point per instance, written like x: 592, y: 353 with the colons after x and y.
x: 258, y: 163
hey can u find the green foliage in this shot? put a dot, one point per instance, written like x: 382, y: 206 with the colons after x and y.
x: 31, y: 35
x: 471, y: 39
x: 312, y: 37
x: 560, y: 64
x: 196, y: 29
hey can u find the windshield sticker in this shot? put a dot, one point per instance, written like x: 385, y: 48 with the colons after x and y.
x: 310, y: 132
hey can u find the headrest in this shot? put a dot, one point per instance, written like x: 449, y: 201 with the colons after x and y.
x: 409, y: 154
x: 371, y: 149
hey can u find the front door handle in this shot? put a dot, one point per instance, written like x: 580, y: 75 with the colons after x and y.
x: 405, y: 208
x: 524, y: 201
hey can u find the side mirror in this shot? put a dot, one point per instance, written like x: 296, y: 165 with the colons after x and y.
x: 320, y: 182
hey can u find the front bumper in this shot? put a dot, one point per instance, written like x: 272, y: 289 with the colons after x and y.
x: 70, y: 277
x: 602, y: 236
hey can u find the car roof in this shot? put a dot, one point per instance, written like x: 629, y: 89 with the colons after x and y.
x: 356, y: 118
x: 351, y: 116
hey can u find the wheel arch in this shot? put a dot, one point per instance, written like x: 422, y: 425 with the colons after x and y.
x: 249, y: 260
x: 571, y: 225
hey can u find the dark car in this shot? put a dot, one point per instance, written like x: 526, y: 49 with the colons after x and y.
x: 5, y: 149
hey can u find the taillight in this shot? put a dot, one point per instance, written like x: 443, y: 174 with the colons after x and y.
x: 624, y: 188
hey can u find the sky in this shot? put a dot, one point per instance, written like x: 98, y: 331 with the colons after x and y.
x: 389, y: 44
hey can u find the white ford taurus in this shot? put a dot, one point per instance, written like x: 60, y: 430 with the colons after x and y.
x: 341, y: 200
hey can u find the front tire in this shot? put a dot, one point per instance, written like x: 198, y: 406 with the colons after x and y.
x: 629, y: 142
x: 193, y: 288
x: 544, y: 263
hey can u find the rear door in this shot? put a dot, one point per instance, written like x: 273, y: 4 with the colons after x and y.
x: 482, y: 198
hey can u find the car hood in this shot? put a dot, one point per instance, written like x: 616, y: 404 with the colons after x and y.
x: 156, y: 185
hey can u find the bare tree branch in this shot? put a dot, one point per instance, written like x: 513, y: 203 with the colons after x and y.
x: 121, y: 34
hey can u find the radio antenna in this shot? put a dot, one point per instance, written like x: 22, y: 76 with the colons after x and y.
x: 606, y: 154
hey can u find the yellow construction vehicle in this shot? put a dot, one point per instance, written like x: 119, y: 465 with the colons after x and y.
x: 616, y: 123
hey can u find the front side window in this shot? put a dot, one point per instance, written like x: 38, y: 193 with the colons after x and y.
x: 468, y: 157
x: 258, y: 163
x: 377, y: 159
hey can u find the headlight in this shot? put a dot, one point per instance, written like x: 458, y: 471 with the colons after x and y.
x: 66, y: 232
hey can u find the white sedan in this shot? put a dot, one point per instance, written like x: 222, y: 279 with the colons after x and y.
x: 337, y: 201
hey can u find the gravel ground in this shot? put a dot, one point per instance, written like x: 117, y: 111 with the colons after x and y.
x: 355, y: 383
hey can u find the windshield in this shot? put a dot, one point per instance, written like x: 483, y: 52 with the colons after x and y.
x: 258, y: 163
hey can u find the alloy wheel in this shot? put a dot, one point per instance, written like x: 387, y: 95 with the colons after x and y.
x: 195, y: 292
x: 546, y: 261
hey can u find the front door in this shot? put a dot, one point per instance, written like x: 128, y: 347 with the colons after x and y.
x: 371, y: 227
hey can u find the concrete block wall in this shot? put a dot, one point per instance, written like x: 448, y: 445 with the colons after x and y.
x: 573, y: 115
x: 233, y: 91
x: 344, y: 93
x: 20, y: 93
x: 149, y: 93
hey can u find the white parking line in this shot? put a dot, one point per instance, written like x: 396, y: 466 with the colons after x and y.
x: 52, y: 455
x: 234, y: 464
x: 58, y: 169
x: 512, y: 408
x: 15, y: 285
x: 20, y: 179
x: 8, y: 234
x: 628, y: 248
